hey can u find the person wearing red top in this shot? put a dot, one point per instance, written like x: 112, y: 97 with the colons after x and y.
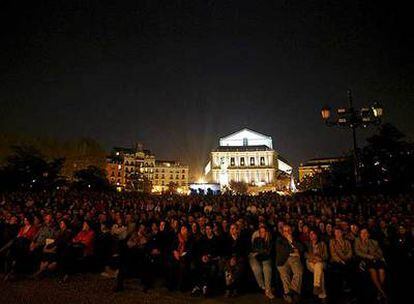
x: 86, y: 237
x: 18, y: 249
x: 28, y: 231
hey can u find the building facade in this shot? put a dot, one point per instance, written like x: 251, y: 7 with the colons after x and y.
x: 245, y: 156
x: 317, y: 165
x: 167, y: 173
x: 127, y: 167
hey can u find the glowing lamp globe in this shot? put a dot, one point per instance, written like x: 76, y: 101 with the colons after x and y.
x: 326, y: 113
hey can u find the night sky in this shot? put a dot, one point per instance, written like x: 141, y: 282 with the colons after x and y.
x: 177, y: 75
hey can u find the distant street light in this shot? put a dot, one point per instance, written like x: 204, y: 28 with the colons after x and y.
x: 353, y: 118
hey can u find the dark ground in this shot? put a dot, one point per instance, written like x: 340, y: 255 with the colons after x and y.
x: 88, y: 288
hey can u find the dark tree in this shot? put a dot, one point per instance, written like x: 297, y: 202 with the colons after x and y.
x: 387, y: 161
x: 172, y: 187
x: 91, y: 178
x: 138, y: 182
x: 27, y: 168
x: 238, y: 187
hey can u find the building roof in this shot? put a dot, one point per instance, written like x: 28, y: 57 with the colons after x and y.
x: 284, y: 160
x: 242, y: 148
x: 323, y: 161
x: 169, y: 163
x: 245, y: 129
x: 123, y: 150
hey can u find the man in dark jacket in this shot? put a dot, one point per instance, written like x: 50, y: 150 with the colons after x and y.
x: 288, y: 253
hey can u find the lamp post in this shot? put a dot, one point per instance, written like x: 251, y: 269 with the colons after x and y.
x: 353, y: 118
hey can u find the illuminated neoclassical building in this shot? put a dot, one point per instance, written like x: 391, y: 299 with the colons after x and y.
x: 246, y: 156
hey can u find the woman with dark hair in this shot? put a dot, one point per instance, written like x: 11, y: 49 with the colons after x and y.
x: 181, y: 259
x: 235, y: 260
x: 341, y: 255
x: 370, y: 254
x: 260, y: 260
x: 81, y: 249
x: 54, y: 250
x: 18, y: 249
x: 316, y: 258
x: 205, y: 263
x: 85, y: 239
x: 133, y: 260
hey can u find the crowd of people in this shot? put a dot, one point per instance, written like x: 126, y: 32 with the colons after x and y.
x: 286, y: 246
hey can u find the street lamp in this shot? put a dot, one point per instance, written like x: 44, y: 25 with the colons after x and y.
x: 353, y: 118
x: 326, y: 113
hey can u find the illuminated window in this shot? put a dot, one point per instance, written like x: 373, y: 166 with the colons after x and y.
x: 251, y: 161
x: 262, y: 161
x: 232, y: 163
x: 242, y: 161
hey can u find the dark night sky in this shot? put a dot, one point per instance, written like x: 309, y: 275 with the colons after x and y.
x: 176, y: 75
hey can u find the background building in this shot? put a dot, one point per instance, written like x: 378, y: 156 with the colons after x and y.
x: 246, y: 156
x: 136, y: 169
x: 168, y: 175
x: 317, y: 165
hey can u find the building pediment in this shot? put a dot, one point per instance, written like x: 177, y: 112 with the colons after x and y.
x: 246, y: 137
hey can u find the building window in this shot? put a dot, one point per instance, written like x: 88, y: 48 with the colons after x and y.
x: 251, y: 161
x: 262, y: 161
x: 183, y: 177
x: 156, y: 176
x: 245, y: 142
x: 163, y: 176
x: 232, y: 163
x: 242, y: 161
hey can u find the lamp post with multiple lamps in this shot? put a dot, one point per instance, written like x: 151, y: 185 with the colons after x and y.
x: 349, y: 117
